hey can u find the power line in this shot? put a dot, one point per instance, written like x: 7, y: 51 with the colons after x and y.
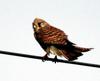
x: 49, y: 59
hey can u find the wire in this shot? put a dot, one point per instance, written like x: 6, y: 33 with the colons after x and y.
x: 49, y: 59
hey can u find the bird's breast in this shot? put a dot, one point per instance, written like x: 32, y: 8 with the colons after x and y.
x: 55, y: 51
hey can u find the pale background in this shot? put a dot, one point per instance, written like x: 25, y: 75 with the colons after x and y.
x: 80, y: 19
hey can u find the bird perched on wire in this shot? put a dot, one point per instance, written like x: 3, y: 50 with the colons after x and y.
x: 55, y: 41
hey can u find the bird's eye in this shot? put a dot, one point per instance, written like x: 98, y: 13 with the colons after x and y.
x: 34, y: 26
x: 41, y: 24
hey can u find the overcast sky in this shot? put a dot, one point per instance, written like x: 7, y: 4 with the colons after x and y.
x: 80, y: 20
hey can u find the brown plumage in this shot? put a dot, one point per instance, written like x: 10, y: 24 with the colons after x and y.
x: 55, y: 41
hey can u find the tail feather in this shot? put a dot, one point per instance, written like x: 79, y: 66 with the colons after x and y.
x: 80, y: 49
x: 71, y: 55
x: 72, y: 52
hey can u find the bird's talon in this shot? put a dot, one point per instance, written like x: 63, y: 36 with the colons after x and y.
x: 44, y: 58
x: 55, y: 59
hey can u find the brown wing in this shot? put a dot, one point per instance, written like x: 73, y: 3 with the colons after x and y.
x: 53, y: 35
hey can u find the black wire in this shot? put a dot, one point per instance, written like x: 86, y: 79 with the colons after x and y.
x: 49, y: 59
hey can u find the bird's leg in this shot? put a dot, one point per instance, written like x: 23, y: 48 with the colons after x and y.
x: 45, y: 57
x: 55, y: 59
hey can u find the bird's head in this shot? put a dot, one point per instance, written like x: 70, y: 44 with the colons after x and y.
x: 39, y: 24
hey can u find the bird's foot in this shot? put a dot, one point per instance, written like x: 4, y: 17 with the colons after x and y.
x: 45, y: 57
x: 55, y: 59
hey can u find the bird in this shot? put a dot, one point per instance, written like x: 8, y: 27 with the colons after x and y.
x: 54, y: 41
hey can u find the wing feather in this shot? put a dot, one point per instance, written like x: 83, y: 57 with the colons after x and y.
x: 54, y: 35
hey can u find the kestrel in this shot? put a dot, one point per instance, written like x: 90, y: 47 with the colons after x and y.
x: 55, y: 41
